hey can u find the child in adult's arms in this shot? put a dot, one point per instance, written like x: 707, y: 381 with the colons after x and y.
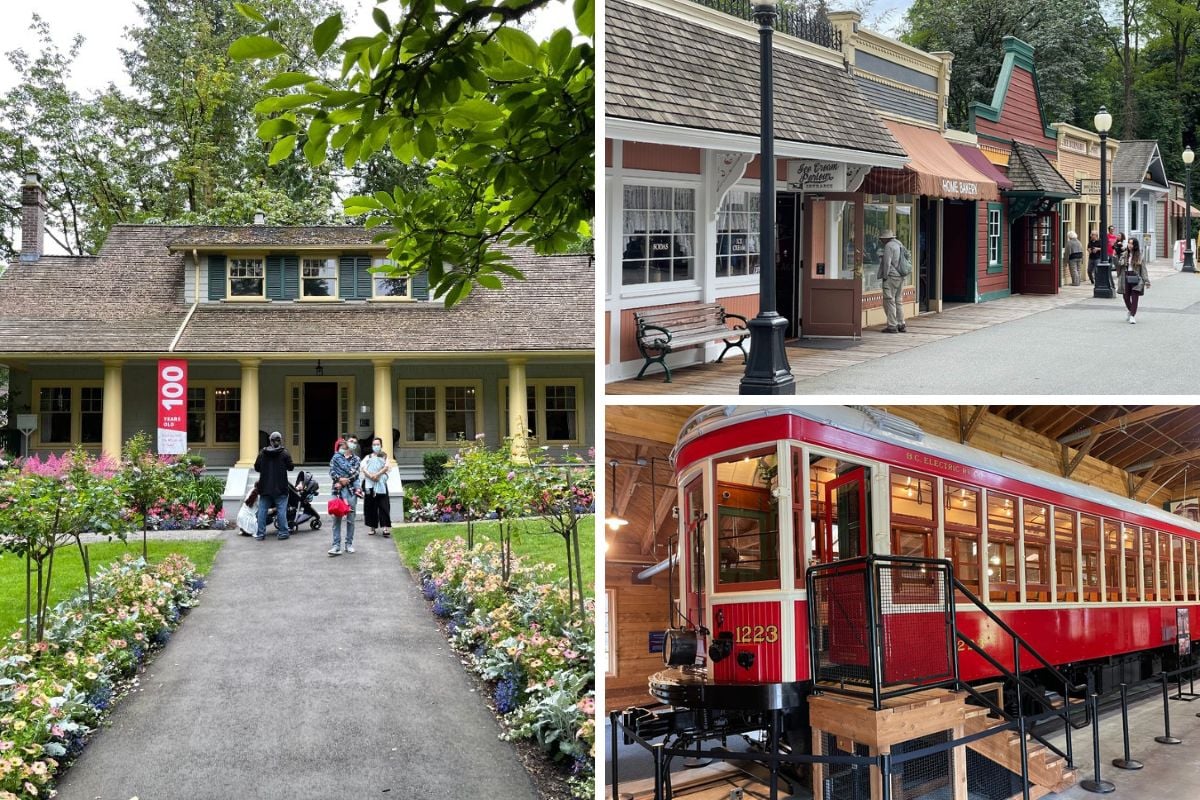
x: 377, y: 507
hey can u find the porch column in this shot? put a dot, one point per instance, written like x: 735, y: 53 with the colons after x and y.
x: 518, y: 424
x: 383, y: 405
x: 248, y: 449
x: 110, y: 437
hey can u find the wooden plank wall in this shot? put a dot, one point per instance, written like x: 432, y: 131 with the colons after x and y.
x: 1001, y: 437
x: 639, y: 608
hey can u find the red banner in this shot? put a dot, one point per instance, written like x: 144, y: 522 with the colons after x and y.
x: 172, y: 406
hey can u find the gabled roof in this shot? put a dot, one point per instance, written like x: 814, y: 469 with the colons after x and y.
x: 1031, y: 173
x: 1017, y: 55
x: 1137, y: 158
x: 208, y: 237
x: 130, y: 299
x: 664, y: 69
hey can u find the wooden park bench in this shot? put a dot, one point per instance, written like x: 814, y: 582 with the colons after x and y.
x: 661, y: 331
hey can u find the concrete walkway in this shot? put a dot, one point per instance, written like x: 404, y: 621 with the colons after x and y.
x: 302, y: 676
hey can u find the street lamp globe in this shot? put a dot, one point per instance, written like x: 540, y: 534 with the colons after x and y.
x: 1103, y: 120
x: 1188, y: 156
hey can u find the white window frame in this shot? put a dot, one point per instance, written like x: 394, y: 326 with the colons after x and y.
x: 439, y: 386
x: 698, y: 227
x: 539, y: 385
x: 329, y: 261
x: 994, y: 236
x: 76, y: 387
x: 230, y: 258
x: 388, y: 298
x: 751, y: 232
x: 210, y: 413
x: 609, y: 638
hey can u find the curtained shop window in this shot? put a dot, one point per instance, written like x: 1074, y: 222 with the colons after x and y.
x: 737, y: 234
x: 658, y: 243
x: 1040, y: 241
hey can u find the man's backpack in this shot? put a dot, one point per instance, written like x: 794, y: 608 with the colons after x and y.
x: 905, y: 265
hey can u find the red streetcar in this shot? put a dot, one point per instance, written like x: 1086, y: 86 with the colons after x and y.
x: 1097, y: 583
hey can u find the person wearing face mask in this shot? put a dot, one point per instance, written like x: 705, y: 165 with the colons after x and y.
x: 377, y: 505
x: 273, y: 464
x: 344, y: 473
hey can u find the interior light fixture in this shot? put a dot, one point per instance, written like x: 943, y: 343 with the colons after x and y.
x: 614, y: 521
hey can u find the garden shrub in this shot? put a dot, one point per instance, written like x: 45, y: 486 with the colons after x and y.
x: 52, y: 696
x: 525, y: 636
x: 434, y: 465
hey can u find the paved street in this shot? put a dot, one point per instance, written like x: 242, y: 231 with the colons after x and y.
x: 1065, y: 344
x: 302, y: 676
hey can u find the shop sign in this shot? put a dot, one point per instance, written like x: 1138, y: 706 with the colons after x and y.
x: 957, y: 188
x: 1089, y: 186
x: 172, y: 406
x: 1074, y: 145
x: 816, y: 176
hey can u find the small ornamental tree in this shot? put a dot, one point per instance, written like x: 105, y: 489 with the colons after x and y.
x: 148, y: 479
x: 562, y: 492
x: 51, y: 504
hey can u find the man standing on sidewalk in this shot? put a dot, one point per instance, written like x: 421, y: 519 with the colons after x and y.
x: 893, y: 282
x: 273, y: 464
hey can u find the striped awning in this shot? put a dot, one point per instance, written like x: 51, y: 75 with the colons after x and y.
x: 935, y: 170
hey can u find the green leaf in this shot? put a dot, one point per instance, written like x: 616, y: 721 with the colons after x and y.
x: 249, y: 47
x: 357, y: 44
x: 381, y: 19
x: 286, y: 80
x: 478, y: 110
x: 585, y: 17
x: 559, y: 47
x: 249, y: 12
x: 519, y: 45
x: 273, y: 128
x: 282, y: 149
x: 489, y: 282
x: 426, y: 142
x: 325, y: 34
x: 288, y: 101
x: 507, y: 71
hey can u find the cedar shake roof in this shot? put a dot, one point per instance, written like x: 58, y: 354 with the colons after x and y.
x: 1133, y: 160
x: 1029, y: 171
x: 129, y: 299
x: 335, y: 237
x: 663, y: 69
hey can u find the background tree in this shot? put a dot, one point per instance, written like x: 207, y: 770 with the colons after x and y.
x: 504, y: 125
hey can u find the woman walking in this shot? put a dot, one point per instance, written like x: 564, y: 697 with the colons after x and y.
x: 377, y: 505
x: 343, y: 471
x: 1094, y: 249
x: 1134, y: 279
x: 1074, y: 256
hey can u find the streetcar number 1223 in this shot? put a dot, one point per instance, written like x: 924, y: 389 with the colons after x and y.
x: 756, y: 634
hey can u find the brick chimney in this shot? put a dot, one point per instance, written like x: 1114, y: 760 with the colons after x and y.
x: 33, y: 218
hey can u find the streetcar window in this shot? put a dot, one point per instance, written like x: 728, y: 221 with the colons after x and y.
x: 694, y: 496
x: 1113, y: 575
x: 1064, y: 555
x: 748, y: 521
x: 1002, y: 549
x: 1189, y: 549
x: 1132, y: 551
x: 914, y: 517
x: 1180, y: 585
x: 1037, y: 545
x: 1089, y: 543
x: 802, y: 557
x: 1149, y: 584
x: 1164, y: 566
x: 961, y: 514
x: 840, y: 522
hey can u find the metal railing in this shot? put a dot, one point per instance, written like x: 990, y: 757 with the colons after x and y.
x: 809, y: 26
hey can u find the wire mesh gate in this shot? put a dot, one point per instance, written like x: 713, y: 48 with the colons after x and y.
x: 864, y: 616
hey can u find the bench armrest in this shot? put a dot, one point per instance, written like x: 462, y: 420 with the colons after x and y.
x: 745, y: 322
x: 663, y: 331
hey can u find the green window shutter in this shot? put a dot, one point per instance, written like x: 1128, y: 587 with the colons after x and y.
x: 347, y: 285
x: 364, y: 277
x: 291, y: 277
x: 216, y: 278
x: 420, y: 285
x: 274, y: 278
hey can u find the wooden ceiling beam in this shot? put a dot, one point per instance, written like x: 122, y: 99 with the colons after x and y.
x: 1125, y: 420
x: 1080, y: 454
x: 1163, y: 461
x: 968, y: 423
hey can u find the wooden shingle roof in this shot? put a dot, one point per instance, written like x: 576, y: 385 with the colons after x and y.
x: 1030, y: 171
x: 664, y: 69
x: 130, y: 299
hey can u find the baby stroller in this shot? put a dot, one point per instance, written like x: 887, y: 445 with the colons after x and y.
x: 299, y: 506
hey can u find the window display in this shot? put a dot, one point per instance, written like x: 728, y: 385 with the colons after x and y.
x: 881, y: 212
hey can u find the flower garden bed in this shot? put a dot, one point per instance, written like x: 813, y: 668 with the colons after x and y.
x: 54, y: 692
x: 524, y: 638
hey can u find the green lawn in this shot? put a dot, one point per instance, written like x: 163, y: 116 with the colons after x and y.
x: 531, y: 539
x: 68, y: 570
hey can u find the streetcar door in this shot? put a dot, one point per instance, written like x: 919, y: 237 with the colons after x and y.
x: 844, y: 534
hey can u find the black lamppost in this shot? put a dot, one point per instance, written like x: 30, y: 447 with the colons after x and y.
x: 767, y: 368
x: 1103, y: 273
x: 1189, y: 263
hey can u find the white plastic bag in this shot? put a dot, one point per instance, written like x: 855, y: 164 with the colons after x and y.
x: 247, y: 520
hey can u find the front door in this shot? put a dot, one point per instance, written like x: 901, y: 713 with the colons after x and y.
x: 320, y: 421
x: 787, y: 276
x: 831, y: 282
x: 1037, y: 235
x: 958, y: 251
x: 846, y: 522
x: 927, y: 247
